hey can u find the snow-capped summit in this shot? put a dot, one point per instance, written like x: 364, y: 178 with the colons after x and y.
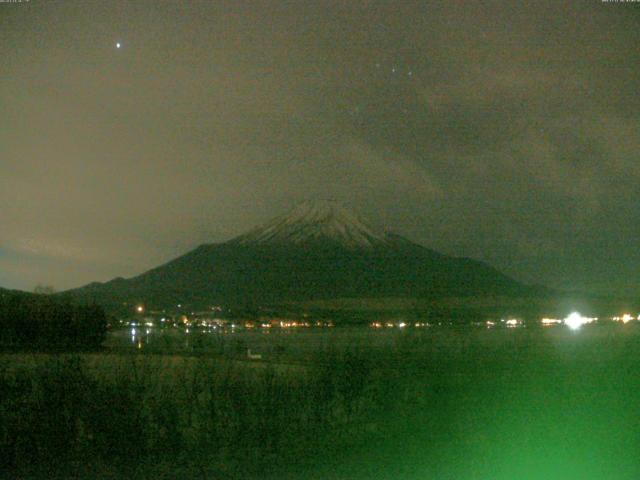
x: 314, y: 221
x: 319, y: 250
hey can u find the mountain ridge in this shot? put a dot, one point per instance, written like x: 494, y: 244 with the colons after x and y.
x: 316, y: 251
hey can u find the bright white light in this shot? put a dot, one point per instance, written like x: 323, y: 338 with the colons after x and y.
x: 402, y: 324
x: 575, y: 320
x: 512, y: 322
x: 139, y: 309
x: 626, y: 318
x: 118, y: 45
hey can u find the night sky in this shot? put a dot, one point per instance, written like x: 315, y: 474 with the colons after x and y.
x: 502, y: 131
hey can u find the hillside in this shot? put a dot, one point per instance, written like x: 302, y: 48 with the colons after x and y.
x: 317, y: 251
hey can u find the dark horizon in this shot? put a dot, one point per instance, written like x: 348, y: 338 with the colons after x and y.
x: 503, y: 132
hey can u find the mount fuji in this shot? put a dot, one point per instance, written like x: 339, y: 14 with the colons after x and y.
x: 318, y: 251
x: 316, y: 222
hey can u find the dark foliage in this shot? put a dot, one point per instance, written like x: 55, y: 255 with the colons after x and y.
x: 43, y: 322
x: 63, y: 417
x: 457, y: 405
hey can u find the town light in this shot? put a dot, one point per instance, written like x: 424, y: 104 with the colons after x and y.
x: 550, y: 321
x: 575, y: 320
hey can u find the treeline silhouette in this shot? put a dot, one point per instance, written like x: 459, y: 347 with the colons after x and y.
x: 49, y: 323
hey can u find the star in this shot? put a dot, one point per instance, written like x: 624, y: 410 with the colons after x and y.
x: 118, y: 44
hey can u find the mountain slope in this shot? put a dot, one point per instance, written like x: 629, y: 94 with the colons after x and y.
x: 318, y: 251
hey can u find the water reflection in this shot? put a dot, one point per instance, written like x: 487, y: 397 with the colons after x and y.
x: 233, y: 340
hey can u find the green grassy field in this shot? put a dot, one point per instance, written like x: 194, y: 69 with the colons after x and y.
x: 433, y: 404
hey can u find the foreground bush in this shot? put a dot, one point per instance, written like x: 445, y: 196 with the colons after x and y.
x: 538, y: 405
x: 42, y: 322
x: 62, y: 416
